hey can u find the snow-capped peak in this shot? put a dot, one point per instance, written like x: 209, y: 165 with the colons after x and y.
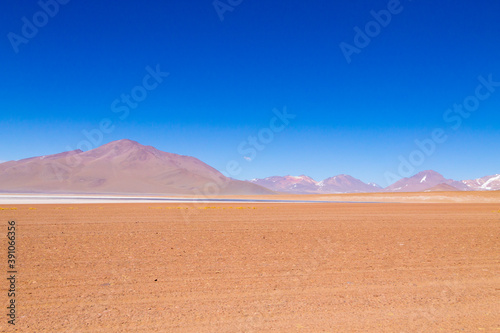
x: 489, y: 181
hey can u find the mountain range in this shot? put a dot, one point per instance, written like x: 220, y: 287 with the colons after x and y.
x: 428, y: 180
x: 306, y: 185
x: 125, y: 166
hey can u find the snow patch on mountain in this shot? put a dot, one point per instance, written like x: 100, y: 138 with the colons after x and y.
x: 422, y: 181
x: 489, y: 181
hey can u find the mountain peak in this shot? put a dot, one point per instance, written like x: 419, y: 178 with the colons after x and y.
x: 304, y: 184
x: 300, y: 178
x: 428, y: 172
x: 344, y: 176
x: 422, y: 181
x: 120, y: 147
x: 484, y: 183
x: 123, y: 166
x: 443, y: 187
x: 122, y: 143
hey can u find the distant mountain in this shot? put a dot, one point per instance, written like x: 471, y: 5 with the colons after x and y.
x: 123, y: 166
x: 428, y: 180
x: 345, y: 184
x: 487, y: 183
x: 306, y: 185
x: 289, y: 184
x: 423, y: 181
x: 442, y: 188
x: 377, y: 186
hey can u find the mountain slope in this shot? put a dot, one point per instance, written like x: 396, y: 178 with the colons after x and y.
x: 290, y: 184
x: 427, y: 180
x: 306, y: 185
x: 345, y: 184
x: 123, y: 166
x: 488, y: 183
x: 442, y: 188
x: 423, y: 181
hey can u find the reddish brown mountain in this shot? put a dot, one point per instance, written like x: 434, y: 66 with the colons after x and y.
x: 306, y: 185
x: 428, y: 180
x: 423, y: 181
x: 346, y: 184
x: 289, y: 184
x: 442, y: 188
x: 122, y: 166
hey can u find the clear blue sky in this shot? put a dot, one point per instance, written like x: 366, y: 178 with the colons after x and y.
x: 226, y: 77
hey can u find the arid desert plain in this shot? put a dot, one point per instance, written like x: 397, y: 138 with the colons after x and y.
x: 421, y: 263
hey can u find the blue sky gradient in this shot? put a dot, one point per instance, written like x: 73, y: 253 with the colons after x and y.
x: 226, y: 78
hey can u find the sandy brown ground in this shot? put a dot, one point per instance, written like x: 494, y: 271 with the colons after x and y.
x: 256, y: 267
